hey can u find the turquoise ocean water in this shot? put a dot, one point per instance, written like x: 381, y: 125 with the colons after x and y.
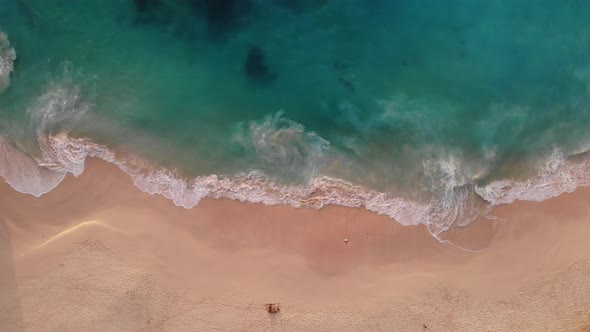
x: 427, y: 111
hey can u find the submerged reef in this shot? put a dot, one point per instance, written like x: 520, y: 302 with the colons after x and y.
x: 220, y: 17
x: 256, y: 67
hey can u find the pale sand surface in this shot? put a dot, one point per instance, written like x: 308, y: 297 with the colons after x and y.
x: 96, y: 254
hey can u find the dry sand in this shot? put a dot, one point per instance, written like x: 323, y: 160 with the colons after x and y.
x: 96, y: 254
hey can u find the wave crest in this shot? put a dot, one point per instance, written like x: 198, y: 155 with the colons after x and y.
x: 276, y: 140
x: 556, y: 176
x: 458, y: 206
x: 67, y: 155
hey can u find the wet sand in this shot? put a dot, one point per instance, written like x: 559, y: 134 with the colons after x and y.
x: 97, y: 254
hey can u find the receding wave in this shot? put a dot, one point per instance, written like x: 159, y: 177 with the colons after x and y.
x: 7, y: 58
x: 23, y: 173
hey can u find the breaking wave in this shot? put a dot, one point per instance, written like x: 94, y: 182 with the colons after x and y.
x: 457, y: 203
x: 458, y: 206
x: 558, y: 174
x: 284, y: 146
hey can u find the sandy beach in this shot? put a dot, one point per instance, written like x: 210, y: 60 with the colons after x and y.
x: 97, y: 254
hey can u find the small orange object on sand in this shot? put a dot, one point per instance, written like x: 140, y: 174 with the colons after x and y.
x: 273, y: 308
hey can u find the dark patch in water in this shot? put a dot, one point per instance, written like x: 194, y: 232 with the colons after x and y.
x: 340, y: 65
x: 152, y: 12
x: 142, y: 5
x: 219, y: 12
x: 222, y: 16
x: 256, y: 67
x: 300, y: 6
x: 347, y: 84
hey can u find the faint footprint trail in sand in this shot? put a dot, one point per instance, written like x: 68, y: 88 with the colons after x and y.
x: 69, y: 231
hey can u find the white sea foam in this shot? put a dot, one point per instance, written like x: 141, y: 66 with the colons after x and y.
x: 7, y: 58
x: 459, y: 204
x: 284, y: 145
x: 457, y: 201
x: 67, y: 155
x: 23, y: 173
x: 556, y: 176
x: 53, y: 111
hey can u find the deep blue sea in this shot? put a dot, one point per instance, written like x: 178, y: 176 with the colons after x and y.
x: 427, y: 111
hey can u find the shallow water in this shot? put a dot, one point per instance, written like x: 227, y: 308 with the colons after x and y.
x: 418, y: 100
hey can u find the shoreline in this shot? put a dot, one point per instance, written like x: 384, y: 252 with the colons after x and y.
x: 103, y: 253
x: 63, y: 155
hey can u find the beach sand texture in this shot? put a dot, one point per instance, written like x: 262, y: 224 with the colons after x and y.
x: 97, y: 254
